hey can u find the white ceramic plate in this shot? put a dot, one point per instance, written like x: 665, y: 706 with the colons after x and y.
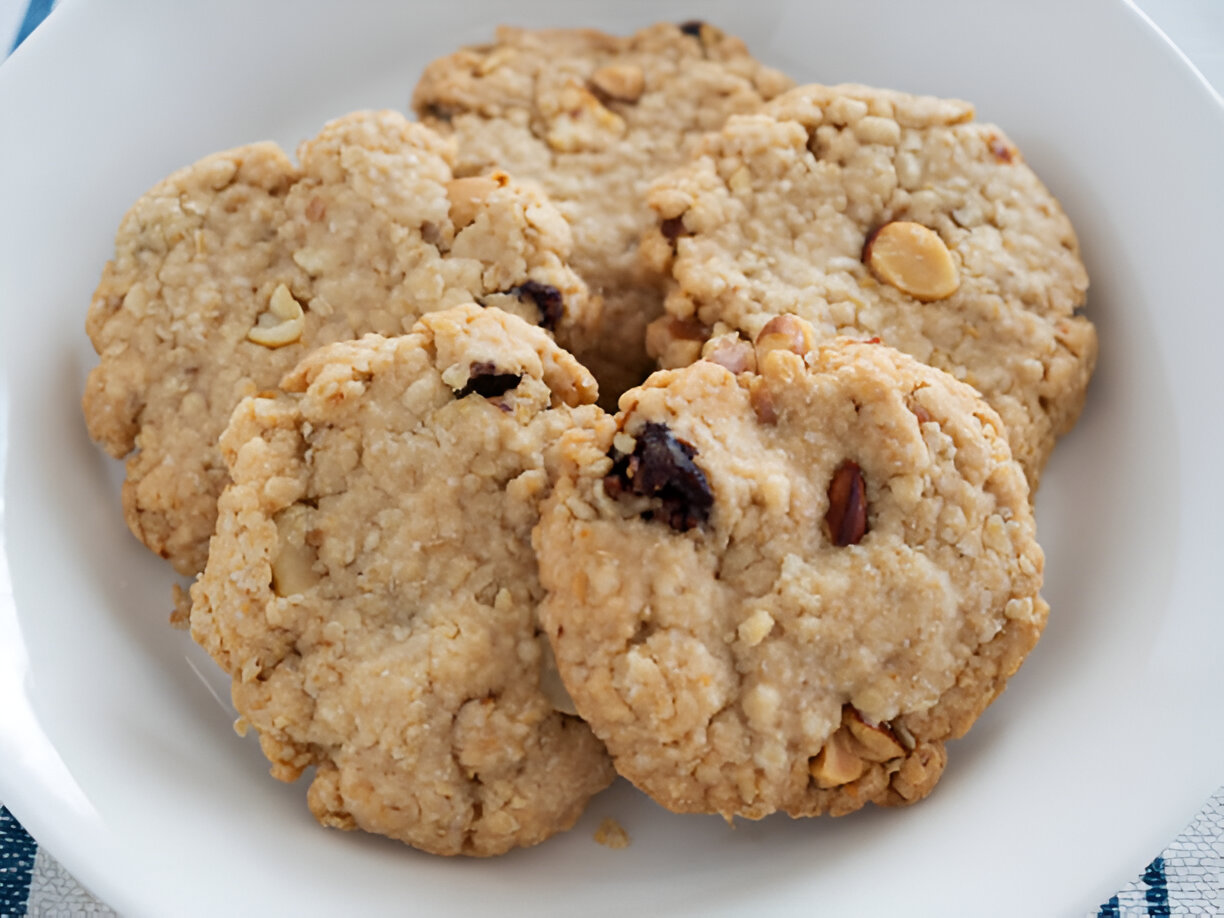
x: 115, y: 746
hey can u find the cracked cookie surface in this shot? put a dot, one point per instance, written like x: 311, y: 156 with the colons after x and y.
x: 875, y: 213
x: 593, y: 118
x: 372, y: 590
x: 783, y: 582
x: 229, y: 271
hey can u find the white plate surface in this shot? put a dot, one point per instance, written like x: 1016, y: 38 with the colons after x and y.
x: 114, y: 750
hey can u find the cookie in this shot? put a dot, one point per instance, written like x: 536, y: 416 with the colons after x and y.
x: 876, y: 213
x: 593, y: 118
x: 230, y: 270
x: 372, y: 589
x: 784, y: 582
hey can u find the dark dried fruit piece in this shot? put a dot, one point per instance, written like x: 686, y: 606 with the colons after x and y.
x: 847, y: 516
x: 483, y: 379
x: 547, y: 299
x: 672, y: 228
x: 692, y: 27
x: 616, y: 482
x: 661, y: 467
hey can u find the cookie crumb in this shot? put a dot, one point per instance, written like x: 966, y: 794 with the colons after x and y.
x: 611, y: 834
x: 180, y: 615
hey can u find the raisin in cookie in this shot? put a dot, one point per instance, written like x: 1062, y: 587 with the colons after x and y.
x: 875, y: 213
x: 593, y: 118
x: 782, y: 578
x: 229, y: 271
x: 372, y: 590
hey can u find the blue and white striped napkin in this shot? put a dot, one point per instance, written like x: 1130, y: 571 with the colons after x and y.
x: 33, y: 883
x: 1185, y: 879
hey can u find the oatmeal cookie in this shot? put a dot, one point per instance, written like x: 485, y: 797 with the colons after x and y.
x: 782, y: 577
x: 593, y: 118
x: 876, y: 213
x: 372, y: 590
x: 229, y: 271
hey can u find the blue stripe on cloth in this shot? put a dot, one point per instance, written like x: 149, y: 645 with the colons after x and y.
x: 1110, y: 909
x: 35, y: 13
x: 16, y: 865
x: 1158, y: 889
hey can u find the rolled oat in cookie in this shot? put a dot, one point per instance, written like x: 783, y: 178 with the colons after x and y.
x: 372, y: 590
x: 593, y: 118
x: 875, y: 213
x: 228, y: 272
x: 783, y: 577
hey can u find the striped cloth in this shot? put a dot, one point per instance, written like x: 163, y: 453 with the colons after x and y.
x: 1184, y: 880
x: 33, y: 883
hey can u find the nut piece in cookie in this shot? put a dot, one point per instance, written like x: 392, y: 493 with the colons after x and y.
x: 229, y: 271
x: 796, y: 581
x: 372, y: 590
x: 913, y: 259
x: 874, y: 213
x: 593, y: 118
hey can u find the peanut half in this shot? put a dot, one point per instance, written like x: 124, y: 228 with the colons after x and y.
x: 467, y: 196
x: 623, y: 82
x: 784, y: 333
x: 912, y: 258
x: 836, y: 764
